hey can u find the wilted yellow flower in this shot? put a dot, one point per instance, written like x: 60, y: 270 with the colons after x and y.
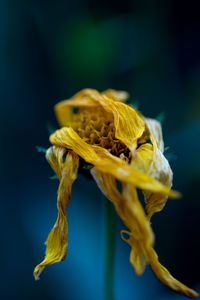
x: 121, y: 145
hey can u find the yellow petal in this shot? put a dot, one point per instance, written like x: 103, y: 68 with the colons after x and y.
x: 107, y: 184
x: 141, y: 235
x: 149, y: 253
x: 129, y: 125
x: 158, y: 168
x: 165, y: 277
x: 64, y: 113
x: 161, y: 171
x: 54, y: 156
x: 105, y: 162
x: 131, y: 213
x: 155, y: 133
x: 134, y: 213
x: 137, y: 258
x: 57, y: 240
x: 143, y: 159
x: 121, y: 96
x: 64, y: 109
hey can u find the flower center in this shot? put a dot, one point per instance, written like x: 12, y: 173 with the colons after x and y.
x: 96, y: 127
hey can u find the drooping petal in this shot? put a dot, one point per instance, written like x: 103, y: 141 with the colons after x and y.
x: 140, y: 235
x: 107, y: 185
x: 134, y: 211
x: 107, y: 163
x: 137, y: 258
x: 57, y: 240
x: 150, y: 255
x: 165, y: 277
x: 131, y: 213
x: 140, y: 238
x: 158, y: 168
x: 54, y: 156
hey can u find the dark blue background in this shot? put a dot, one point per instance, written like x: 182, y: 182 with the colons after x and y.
x: 50, y: 50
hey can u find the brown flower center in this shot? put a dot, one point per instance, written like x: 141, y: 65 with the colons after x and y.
x: 96, y: 126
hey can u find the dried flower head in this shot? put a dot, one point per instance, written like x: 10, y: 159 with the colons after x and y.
x: 121, y: 145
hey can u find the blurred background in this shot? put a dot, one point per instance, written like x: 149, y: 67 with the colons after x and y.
x: 50, y: 50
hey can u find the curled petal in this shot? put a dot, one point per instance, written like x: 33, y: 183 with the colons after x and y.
x: 129, y: 125
x: 149, y: 254
x: 57, y: 240
x: 134, y: 213
x: 141, y: 235
x: 131, y: 213
x: 107, y: 185
x: 161, y: 171
x: 137, y: 258
x: 121, y: 96
x: 54, y: 156
x: 140, y: 238
x: 64, y: 109
x: 157, y: 166
x: 85, y: 98
x: 143, y: 159
x: 155, y: 133
x: 63, y: 113
x: 165, y: 277
x: 107, y: 163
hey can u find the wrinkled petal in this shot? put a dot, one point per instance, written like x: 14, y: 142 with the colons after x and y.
x: 141, y: 235
x: 105, y: 162
x: 161, y: 171
x: 57, y: 240
x: 165, y: 277
x: 155, y: 133
x: 149, y: 253
x: 158, y: 168
x: 137, y: 258
x: 131, y: 213
x: 107, y: 185
x: 140, y: 238
x: 148, y: 170
x: 54, y: 156
x: 64, y: 113
x: 64, y: 109
x: 121, y: 96
x: 85, y: 98
x: 129, y: 125
x: 143, y: 159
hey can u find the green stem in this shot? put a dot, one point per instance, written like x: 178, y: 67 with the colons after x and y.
x: 110, y: 247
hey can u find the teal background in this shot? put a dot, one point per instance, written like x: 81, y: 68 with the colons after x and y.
x: 49, y: 50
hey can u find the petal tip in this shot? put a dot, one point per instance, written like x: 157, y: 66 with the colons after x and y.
x: 37, y: 271
x: 192, y: 294
x: 189, y: 292
x: 175, y: 194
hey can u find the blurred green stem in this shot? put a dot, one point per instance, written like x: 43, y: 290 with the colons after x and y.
x: 110, y: 249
